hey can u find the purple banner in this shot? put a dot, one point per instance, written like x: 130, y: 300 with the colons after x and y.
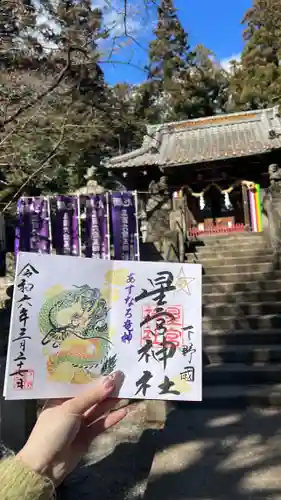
x: 32, y: 229
x: 96, y: 244
x: 24, y: 226
x: 67, y: 241
x: 35, y: 216
x: 123, y: 219
x: 44, y: 230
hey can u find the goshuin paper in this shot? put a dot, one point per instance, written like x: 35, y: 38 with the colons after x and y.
x: 74, y: 319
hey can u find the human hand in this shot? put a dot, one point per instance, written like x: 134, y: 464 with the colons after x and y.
x: 66, y: 428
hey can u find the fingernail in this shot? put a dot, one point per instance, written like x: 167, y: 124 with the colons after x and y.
x: 111, y: 380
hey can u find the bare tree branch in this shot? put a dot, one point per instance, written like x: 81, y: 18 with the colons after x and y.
x: 50, y: 89
x: 125, y: 16
x: 22, y: 125
x: 49, y: 157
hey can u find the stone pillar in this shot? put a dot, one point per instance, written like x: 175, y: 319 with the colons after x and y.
x: 272, y: 206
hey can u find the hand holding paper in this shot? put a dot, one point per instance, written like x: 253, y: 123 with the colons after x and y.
x: 75, y: 319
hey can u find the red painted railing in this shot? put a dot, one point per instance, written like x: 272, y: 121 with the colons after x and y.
x: 213, y: 229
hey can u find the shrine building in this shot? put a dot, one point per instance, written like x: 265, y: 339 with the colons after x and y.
x: 216, y: 163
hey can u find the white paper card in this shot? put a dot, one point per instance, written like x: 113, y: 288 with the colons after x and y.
x: 75, y: 318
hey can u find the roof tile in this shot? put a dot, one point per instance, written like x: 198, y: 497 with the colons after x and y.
x: 203, y: 140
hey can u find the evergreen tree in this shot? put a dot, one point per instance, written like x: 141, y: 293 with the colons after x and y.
x: 169, y: 50
x: 256, y: 82
x: 204, y: 88
x: 58, y: 115
x: 182, y: 83
x: 168, y: 63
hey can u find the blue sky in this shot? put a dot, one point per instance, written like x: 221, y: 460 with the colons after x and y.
x: 216, y: 24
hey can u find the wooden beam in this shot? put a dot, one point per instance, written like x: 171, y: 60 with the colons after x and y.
x: 246, y: 207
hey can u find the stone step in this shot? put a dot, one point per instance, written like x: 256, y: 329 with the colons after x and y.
x: 255, y: 278
x: 235, y: 236
x: 241, y: 308
x: 247, y: 354
x: 242, y: 286
x: 240, y: 260
x: 231, y: 246
x: 244, y: 297
x: 241, y: 374
x: 218, y: 454
x: 230, y: 252
x: 235, y: 322
x: 246, y: 336
x: 238, y: 396
x: 237, y: 268
x: 227, y: 241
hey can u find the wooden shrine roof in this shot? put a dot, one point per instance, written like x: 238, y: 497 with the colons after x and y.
x: 206, y: 139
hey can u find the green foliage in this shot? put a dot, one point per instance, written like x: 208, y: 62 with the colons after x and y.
x: 256, y: 82
x: 58, y: 117
x: 182, y: 83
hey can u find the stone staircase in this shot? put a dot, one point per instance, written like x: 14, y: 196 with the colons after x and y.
x: 241, y: 321
x: 231, y: 438
x: 242, y: 350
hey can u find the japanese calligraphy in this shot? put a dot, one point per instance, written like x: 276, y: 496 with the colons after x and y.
x: 166, y: 387
x: 161, y: 285
x: 157, y: 325
x: 188, y: 374
x: 129, y: 301
x: 95, y: 236
x: 188, y: 350
x: 66, y: 232
x: 143, y: 384
x: 125, y: 235
x: 74, y: 320
x: 167, y: 350
x: 24, y: 305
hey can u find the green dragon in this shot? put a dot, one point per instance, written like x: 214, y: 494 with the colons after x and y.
x: 82, y: 312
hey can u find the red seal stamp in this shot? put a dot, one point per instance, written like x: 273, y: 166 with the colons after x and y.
x: 24, y: 380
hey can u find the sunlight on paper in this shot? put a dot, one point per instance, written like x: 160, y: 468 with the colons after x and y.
x: 181, y: 385
x: 53, y: 290
x: 110, y: 294
x: 117, y: 277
